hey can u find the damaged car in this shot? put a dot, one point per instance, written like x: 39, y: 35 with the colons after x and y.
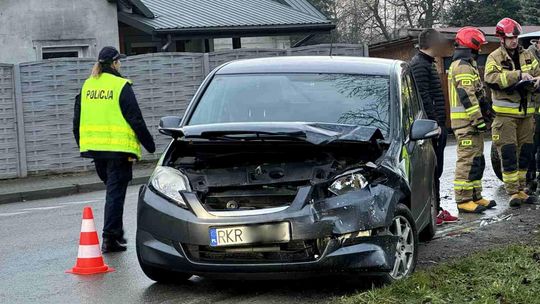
x: 292, y: 166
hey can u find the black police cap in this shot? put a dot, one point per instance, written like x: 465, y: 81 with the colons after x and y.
x: 109, y: 54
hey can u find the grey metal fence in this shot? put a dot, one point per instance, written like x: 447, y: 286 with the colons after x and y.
x: 36, y: 101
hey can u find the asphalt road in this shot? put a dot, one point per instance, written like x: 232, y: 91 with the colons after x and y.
x: 39, y: 241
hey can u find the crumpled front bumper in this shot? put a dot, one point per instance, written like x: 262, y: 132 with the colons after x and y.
x: 162, y: 228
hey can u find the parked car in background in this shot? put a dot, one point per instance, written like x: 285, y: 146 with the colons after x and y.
x: 292, y: 165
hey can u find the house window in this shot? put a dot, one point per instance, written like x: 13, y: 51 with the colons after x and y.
x: 61, y: 52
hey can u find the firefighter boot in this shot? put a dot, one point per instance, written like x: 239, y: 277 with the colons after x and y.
x: 527, y: 199
x: 516, y: 200
x: 470, y: 207
x: 486, y: 203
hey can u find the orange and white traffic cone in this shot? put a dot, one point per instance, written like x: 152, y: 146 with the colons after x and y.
x: 89, y: 259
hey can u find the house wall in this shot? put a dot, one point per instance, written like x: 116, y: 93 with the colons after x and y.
x: 277, y: 42
x: 27, y: 26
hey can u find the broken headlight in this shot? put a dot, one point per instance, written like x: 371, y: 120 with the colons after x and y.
x: 349, y: 181
x: 169, y: 182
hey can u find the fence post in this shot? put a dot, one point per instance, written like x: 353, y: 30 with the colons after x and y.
x: 365, y: 50
x: 206, y: 64
x: 19, y: 116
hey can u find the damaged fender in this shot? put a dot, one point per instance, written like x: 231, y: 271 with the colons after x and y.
x: 370, y: 208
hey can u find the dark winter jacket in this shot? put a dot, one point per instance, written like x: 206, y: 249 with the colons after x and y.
x: 131, y: 112
x: 429, y: 86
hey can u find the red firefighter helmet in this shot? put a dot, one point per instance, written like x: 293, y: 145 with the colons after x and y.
x: 470, y: 37
x: 508, y: 28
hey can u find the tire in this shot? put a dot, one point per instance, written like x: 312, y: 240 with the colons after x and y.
x: 496, y: 162
x: 428, y: 233
x: 161, y: 275
x: 409, y: 258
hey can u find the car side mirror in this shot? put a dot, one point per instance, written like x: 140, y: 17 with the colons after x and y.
x: 170, y: 126
x: 424, y: 129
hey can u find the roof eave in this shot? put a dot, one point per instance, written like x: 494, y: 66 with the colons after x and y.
x: 270, y: 30
x: 133, y: 22
x: 145, y: 11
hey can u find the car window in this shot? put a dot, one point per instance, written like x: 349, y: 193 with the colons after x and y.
x: 416, y: 106
x: 359, y: 100
x: 406, y: 107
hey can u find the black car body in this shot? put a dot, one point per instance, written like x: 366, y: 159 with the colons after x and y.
x: 295, y: 165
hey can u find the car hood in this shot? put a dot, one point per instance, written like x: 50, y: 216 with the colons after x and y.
x: 314, y: 133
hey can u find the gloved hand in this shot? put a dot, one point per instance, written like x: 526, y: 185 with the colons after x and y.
x: 487, y: 111
x: 481, y: 126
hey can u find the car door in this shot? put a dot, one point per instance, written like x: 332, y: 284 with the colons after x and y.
x: 428, y: 158
x: 415, y: 150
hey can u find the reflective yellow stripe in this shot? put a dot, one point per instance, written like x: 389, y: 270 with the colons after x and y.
x: 510, y: 176
x: 535, y: 63
x: 504, y: 80
x: 459, y: 116
x: 107, y: 142
x: 515, y: 111
x: 491, y: 66
x: 106, y: 128
x: 472, y: 109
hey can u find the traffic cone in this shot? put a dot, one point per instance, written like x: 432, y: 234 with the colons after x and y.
x: 89, y: 258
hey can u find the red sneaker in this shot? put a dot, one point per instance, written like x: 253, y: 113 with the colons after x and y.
x: 439, y: 221
x: 446, y: 217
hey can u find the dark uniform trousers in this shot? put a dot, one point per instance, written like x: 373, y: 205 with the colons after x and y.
x: 116, y: 175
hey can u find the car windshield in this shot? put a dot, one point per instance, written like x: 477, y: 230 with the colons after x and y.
x: 359, y: 100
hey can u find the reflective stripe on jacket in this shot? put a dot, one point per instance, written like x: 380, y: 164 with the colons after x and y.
x: 102, y: 125
x: 465, y: 90
x: 501, y: 74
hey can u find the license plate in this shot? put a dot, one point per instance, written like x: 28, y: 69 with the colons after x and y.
x: 239, y: 235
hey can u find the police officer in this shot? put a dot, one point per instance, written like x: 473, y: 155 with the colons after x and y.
x: 513, y: 128
x: 109, y: 127
x: 469, y: 114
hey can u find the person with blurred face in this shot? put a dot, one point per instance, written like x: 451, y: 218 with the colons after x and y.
x: 513, y: 73
x: 427, y: 79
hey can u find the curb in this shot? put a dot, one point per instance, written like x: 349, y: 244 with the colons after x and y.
x: 16, y: 197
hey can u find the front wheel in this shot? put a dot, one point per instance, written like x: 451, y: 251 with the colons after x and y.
x: 406, y: 256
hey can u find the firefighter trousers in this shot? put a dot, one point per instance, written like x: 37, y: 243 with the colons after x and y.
x: 513, y: 138
x: 470, y: 165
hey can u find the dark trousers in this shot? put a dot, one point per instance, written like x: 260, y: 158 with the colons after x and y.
x: 438, y: 145
x: 116, y: 175
x: 534, y: 164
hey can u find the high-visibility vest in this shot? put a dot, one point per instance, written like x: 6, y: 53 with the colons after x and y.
x: 102, y: 126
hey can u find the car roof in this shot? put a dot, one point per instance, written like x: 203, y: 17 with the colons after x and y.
x: 311, y: 64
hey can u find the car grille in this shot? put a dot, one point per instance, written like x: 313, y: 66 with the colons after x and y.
x: 249, y: 198
x: 294, y: 251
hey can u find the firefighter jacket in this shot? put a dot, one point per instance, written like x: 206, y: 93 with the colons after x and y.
x: 502, y: 74
x: 465, y: 91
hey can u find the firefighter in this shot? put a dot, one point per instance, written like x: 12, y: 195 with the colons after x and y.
x: 533, y: 175
x: 109, y: 128
x: 469, y: 115
x: 513, y: 128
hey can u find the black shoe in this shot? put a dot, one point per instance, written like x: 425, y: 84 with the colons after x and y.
x: 122, y: 241
x: 112, y: 245
x: 532, y: 186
